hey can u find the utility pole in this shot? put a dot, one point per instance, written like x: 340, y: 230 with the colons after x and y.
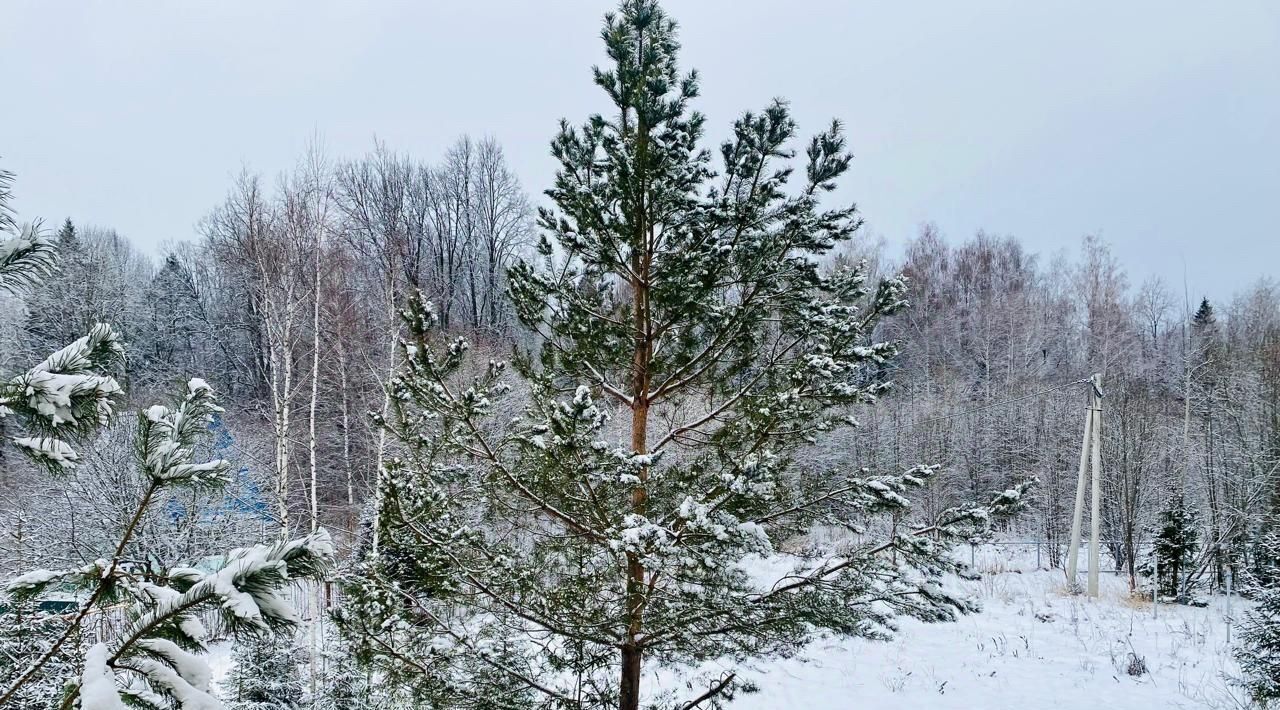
x: 1155, y: 583
x: 1090, y: 468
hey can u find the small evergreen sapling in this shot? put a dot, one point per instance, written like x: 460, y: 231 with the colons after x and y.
x: 266, y: 674
x: 1176, y: 543
x: 345, y: 683
x: 154, y: 661
x: 637, y: 510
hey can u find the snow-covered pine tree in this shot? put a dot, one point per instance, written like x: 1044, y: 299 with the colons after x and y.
x: 1258, y: 649
x: 638, y: 511
x: 154, y: 660
x: 266, y: 674
x: 54, y: 311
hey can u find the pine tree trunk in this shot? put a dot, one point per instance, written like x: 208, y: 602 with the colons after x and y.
x: 641, y: 257
x: 629, y: 697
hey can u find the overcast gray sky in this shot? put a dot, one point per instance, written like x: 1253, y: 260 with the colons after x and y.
x: 1155, y: 124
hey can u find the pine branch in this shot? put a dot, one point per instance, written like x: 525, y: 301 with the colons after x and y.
x: 716, y: 688
x: 25, y: 259
x: 105, y: 582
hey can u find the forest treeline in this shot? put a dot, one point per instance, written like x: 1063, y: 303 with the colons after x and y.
x: 288, y: 302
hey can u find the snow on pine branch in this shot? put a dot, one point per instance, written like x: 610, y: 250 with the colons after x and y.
x: 6, y: 193
x: 65, y: 390
x: 54, y: 453
x: 26, y: 259
x: 167, y: 438
x: 154, y: 661
x: 65, y: 396
x: 245, y: 589
x: 36, y: 582
x: 101, y: 348
x: 157, y: 660
x: 97, y: 682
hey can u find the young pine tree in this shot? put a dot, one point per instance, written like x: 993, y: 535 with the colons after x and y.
x: 67, y: 396
x: 633, y: 516
x: 344, y: 683
x: 156, y: 659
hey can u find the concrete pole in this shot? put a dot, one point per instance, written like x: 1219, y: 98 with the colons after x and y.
x: 1073, y: 552
x: 1230, y: 578
x: 1155, y: 584
x: 1095, y: 522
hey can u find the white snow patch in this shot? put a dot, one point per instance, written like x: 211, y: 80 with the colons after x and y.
x: 1032, y: 646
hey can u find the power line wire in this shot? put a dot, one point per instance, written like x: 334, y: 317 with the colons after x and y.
x: 976, y: 410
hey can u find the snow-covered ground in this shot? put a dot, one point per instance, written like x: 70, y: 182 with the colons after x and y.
x: 1032, y: 646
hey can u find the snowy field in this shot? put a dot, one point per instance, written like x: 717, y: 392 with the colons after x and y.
x: 1032, y: 646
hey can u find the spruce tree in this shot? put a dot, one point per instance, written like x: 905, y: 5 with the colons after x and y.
x: 266, y: 674
x: 166, y: 346
x: 635, y: 513
x: 56, y: 311
x: 1176, y: 543
x: 344, y: 683
x: 1204, y: 321
x: 67, y: 237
